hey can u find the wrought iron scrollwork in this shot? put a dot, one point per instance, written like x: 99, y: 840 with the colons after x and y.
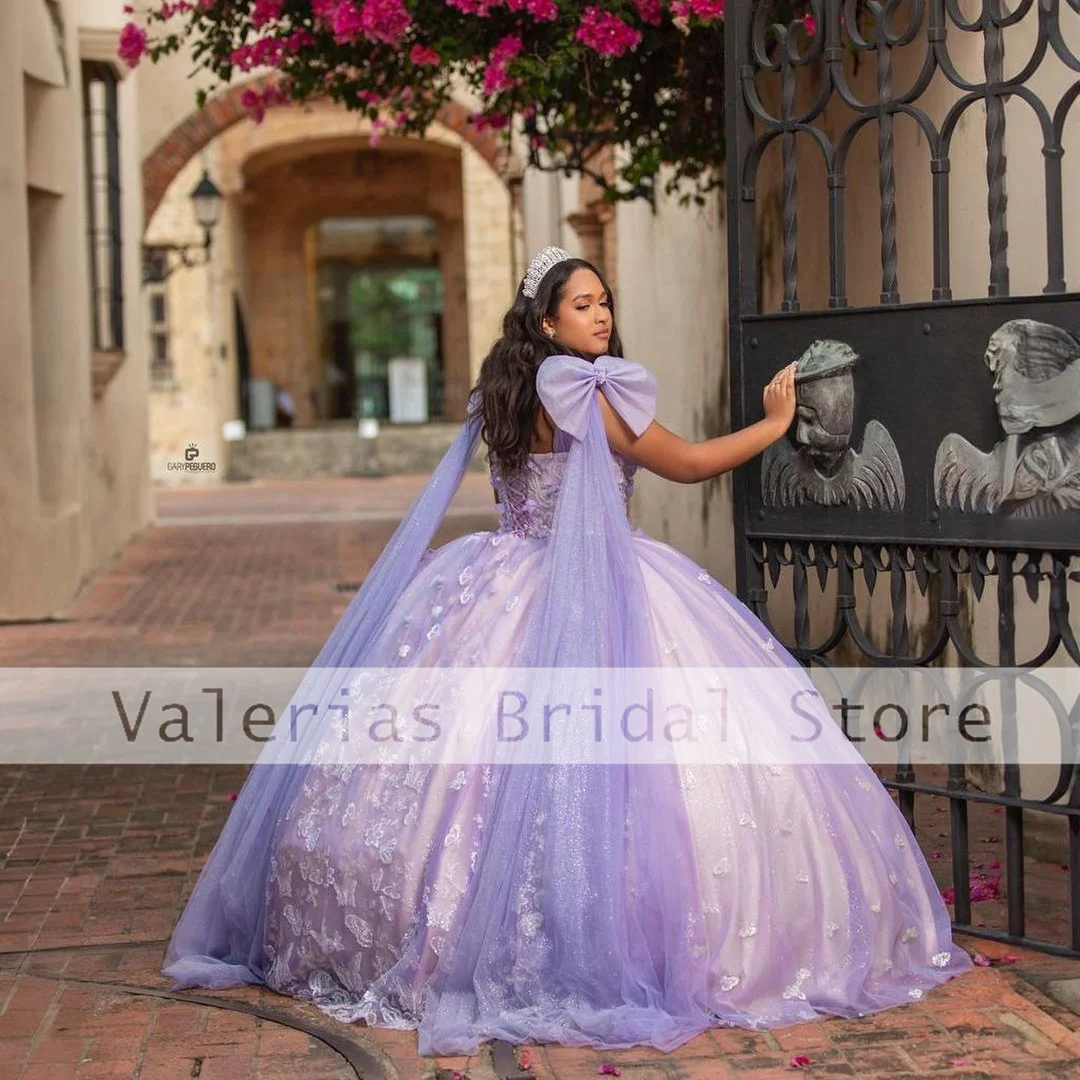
x: 881, y: 28
x: 952, y: 554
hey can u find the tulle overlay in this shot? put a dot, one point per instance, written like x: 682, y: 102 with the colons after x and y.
x: 603, y: 905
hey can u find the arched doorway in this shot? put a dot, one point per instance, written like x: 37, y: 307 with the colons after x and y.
x: 305, y: 190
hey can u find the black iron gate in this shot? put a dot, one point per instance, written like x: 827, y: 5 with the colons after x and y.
x: 938, y: 439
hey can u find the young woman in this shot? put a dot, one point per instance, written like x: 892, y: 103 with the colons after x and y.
x: 570, y: 899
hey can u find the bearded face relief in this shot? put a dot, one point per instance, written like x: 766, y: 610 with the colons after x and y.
x: 1034, y: 471
x: 822, y: 466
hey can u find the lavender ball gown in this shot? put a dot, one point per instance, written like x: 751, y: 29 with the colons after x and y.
x: 590, y: 905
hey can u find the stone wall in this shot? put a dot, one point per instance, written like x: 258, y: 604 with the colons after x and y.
x: 339, y: 451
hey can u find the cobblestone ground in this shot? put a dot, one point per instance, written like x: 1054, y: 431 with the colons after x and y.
x: 95, y: 863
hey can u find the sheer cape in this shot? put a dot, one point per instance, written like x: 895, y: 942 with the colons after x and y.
x: 594, y: 613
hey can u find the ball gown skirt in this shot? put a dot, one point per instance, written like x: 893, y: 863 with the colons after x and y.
x: 598, y: 905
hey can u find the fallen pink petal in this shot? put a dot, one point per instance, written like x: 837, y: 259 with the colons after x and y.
x: 980, y: 960
x: 800, y: 1061
x: 608, y: 1070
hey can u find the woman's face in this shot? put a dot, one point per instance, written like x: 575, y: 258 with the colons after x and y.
x: 583, y: 320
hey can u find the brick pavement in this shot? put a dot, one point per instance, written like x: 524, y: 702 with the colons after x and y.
x: 95, y: 863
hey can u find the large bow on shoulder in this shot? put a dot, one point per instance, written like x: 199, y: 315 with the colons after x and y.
x: 566, y: 383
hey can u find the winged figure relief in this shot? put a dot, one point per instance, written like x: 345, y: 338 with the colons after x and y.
x: 1034, y: 470
x: 822, y: 467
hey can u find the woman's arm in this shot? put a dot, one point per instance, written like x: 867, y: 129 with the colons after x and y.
x: 663, y: 452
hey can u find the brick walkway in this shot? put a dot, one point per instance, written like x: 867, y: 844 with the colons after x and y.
x: 95, y: 863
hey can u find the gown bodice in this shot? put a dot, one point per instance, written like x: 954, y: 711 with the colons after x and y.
x: 527, y: 499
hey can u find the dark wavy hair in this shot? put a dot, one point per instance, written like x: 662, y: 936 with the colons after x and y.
x: 507, y: 379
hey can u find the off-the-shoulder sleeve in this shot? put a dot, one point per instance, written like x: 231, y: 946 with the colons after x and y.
x: 565, y: 385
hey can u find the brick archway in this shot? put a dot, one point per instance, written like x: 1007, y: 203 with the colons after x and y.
x: 188, y: 138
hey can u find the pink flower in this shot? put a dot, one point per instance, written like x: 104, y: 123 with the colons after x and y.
x: 650, y: 11
x: 800, y: 1061
x: 133, y: 44
x: 495, y: 77
x: 385, y: 20
x: 495, y: 122
x: 980, y: 960
x: 480, y: 8
x: 986, y: 890
x: 256, y: 103
x: 607, y: 34
x: 266, y: 52
x: 422, y: 56
x: 347, y: 22
x: 507, y: 49
x: 608, y: 1070
x: 266, y: 11
x: 708, y: 10
x: 705, y: 10
x: 543, y: 10
x: 252, y: 102
x: 297, y: 40
x: 810, y: 25
x: 323, y: 10
x: 496, y: 80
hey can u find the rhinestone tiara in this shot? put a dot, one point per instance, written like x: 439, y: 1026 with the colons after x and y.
x: 541, y: 263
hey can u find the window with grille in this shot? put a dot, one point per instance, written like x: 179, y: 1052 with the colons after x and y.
x: 101, y: 133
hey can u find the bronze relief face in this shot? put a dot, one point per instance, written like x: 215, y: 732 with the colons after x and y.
x: 822, y: 466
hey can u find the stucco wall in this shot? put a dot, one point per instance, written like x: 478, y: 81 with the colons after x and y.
x: 75, y: 485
